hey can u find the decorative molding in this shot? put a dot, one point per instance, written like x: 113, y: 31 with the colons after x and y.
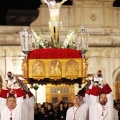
x: 109, y: 4
x: 94, y: 4
x: 116, y: 43
x: 93, y: 17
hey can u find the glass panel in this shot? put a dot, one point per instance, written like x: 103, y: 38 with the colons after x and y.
x: 66, y: 90
x: 65, y: 99
x: 54, y: 100
x: 51, y: 90
x: 55, y: 90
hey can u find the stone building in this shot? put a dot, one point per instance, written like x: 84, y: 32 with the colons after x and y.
x: 99, y: 17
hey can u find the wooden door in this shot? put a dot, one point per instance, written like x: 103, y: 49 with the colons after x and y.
x: 117, y: 90
x: 55, y: 94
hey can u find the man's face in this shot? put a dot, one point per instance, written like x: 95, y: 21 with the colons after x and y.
x: 65, y: 105
x: 35, y: 106
x: 49, y: 107
x: 11, y: 103
x: 103, y: 99
x: 9, y: 74
x: 76, y: 100
x: 42, y: 110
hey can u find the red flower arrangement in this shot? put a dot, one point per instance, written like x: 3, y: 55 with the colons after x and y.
x: 53, y: 53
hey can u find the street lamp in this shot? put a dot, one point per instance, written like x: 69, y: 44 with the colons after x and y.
x: 82, y: 41
x: 26, y: 39
x: 82, y: 46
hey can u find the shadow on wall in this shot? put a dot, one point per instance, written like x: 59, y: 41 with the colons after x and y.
x: 1, y: 79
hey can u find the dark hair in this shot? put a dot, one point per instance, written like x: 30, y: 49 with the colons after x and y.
x: 78, y: 96
x: 102, y: 93
x: 42, y: 106
x: 11, y: 96
x: 51, y: 105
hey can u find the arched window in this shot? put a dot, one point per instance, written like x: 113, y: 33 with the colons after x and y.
x: 118, y: 78
x: 117, y: 86
x: 116, y: 3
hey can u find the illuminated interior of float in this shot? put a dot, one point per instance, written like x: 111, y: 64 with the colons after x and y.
x: 64, y: 63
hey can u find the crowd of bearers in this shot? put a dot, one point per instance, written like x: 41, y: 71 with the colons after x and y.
x: 48, y: 111
x: 16, y: 100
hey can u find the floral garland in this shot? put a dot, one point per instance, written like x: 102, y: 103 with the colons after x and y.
x: 69, y: 38
x: 39, y: 40
x: 52, y: 53
x: 65, y: 50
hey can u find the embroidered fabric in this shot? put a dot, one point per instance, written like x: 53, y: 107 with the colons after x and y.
x: 103, y: 109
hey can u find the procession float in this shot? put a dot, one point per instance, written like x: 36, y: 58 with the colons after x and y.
x: 44, y: 64
x: 54, y: 61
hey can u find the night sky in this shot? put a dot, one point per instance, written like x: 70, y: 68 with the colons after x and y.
x: 116, y: 3
x: 5, y: 5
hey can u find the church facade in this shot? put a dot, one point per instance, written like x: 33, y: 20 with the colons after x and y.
x: 97, y: 16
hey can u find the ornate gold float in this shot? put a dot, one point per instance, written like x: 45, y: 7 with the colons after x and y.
x: 65, y: 64
x: 37, y: 70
